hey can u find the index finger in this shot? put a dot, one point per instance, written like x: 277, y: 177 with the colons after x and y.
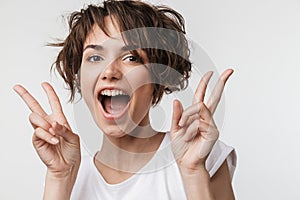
x: 30, y: 101
x: 216, y: 94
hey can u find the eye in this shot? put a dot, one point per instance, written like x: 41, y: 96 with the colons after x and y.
x: 94, y: 58
x: 132, y: 58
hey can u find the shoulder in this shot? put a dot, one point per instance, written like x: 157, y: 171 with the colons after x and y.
x: 221, y: 152
x: 86, y: 161
x: 86, y: 179
x: 86, y: 170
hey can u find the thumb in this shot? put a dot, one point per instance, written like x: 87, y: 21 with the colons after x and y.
x: 177, y: 112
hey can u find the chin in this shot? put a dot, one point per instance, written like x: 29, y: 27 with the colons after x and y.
x: 114, y: 133
x: 116, y: 128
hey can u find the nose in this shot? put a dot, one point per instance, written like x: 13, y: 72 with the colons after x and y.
x: 111, y: 72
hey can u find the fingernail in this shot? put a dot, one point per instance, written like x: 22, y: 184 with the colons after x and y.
x: 16, y: 88
x: 51, y: 131
x: 210, y: 73
x: 54, y: 140
x: 180, y: 123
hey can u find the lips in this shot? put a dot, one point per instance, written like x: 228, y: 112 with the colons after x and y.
x: 113, y: 102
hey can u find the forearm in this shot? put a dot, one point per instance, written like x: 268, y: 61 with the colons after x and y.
x: 59, y: 187
x: 197, y: 184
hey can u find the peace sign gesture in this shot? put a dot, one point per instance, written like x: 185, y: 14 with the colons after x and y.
x: 57, y: 146
x: 193, y: 130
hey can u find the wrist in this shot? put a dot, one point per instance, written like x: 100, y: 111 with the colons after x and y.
x: 59, y: 185
x: 193, y: 173
x: 61, y: 175
x: 192, y: 168
x: 196, y: 182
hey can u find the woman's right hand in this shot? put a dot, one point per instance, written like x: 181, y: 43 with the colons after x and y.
x: 57, y: 146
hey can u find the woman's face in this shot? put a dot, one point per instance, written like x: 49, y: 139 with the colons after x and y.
x: 115, y: 85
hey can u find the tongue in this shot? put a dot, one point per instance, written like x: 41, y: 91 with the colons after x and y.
x: 116, y: 104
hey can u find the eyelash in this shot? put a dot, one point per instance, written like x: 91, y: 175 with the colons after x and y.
x: 92, y: 58
x: 97, y: 58
x: 131, y: 56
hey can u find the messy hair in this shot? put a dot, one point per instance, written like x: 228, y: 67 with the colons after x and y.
x: 164, y: 42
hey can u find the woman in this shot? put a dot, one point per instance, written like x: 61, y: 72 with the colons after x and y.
x: 122, y: 56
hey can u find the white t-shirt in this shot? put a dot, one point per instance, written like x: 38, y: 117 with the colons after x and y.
x: 158, y: 179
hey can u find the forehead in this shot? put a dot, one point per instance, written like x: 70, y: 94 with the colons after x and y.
x: 97, y: 36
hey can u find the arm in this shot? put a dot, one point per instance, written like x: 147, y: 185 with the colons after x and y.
x: 193, y: 135
x: 59, y: 188
x: 198, y: 184
x: 55, y: 143
x: 221, y: 183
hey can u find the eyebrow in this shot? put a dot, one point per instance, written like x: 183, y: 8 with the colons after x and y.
x: 94, y: 46
x: 100, y: 47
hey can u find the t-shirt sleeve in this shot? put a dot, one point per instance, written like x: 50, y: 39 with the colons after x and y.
x: 218, y: 155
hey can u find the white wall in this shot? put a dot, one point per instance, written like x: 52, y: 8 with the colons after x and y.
x: 259, y: 39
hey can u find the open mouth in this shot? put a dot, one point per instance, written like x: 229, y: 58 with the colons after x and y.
x: 114, y: 102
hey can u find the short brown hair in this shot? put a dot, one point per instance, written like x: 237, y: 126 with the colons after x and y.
x: 168, y: 55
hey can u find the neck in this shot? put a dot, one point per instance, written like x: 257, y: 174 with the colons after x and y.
x: 130, y: 152
x: 137, y: 141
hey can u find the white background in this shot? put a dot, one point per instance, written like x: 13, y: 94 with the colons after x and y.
x: 260, y: 39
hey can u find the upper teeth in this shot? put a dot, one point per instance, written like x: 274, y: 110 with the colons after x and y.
x: 112, y: 92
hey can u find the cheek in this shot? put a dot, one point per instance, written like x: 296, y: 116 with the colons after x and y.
x: 141, y: 85
x: 139, y: 77
x: 88, y: 80
x: 139, y: 113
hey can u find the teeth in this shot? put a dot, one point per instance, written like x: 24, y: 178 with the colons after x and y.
x: 112, y: 92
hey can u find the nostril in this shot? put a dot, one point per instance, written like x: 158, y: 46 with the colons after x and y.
x: 111, y: 78
x: 111, y: 72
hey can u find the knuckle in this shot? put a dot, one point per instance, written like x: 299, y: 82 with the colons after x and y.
x: 76, y: 137
x: 201, y: 105
x: 32, y: 117
x: 36, y: 135
x: 34, y: 104
x: 48, y: 119
x: 64, y: 128
x: 33, y: 139
x: 38, y: 131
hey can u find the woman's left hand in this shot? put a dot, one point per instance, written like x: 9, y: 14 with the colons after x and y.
x: 193, y: 130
